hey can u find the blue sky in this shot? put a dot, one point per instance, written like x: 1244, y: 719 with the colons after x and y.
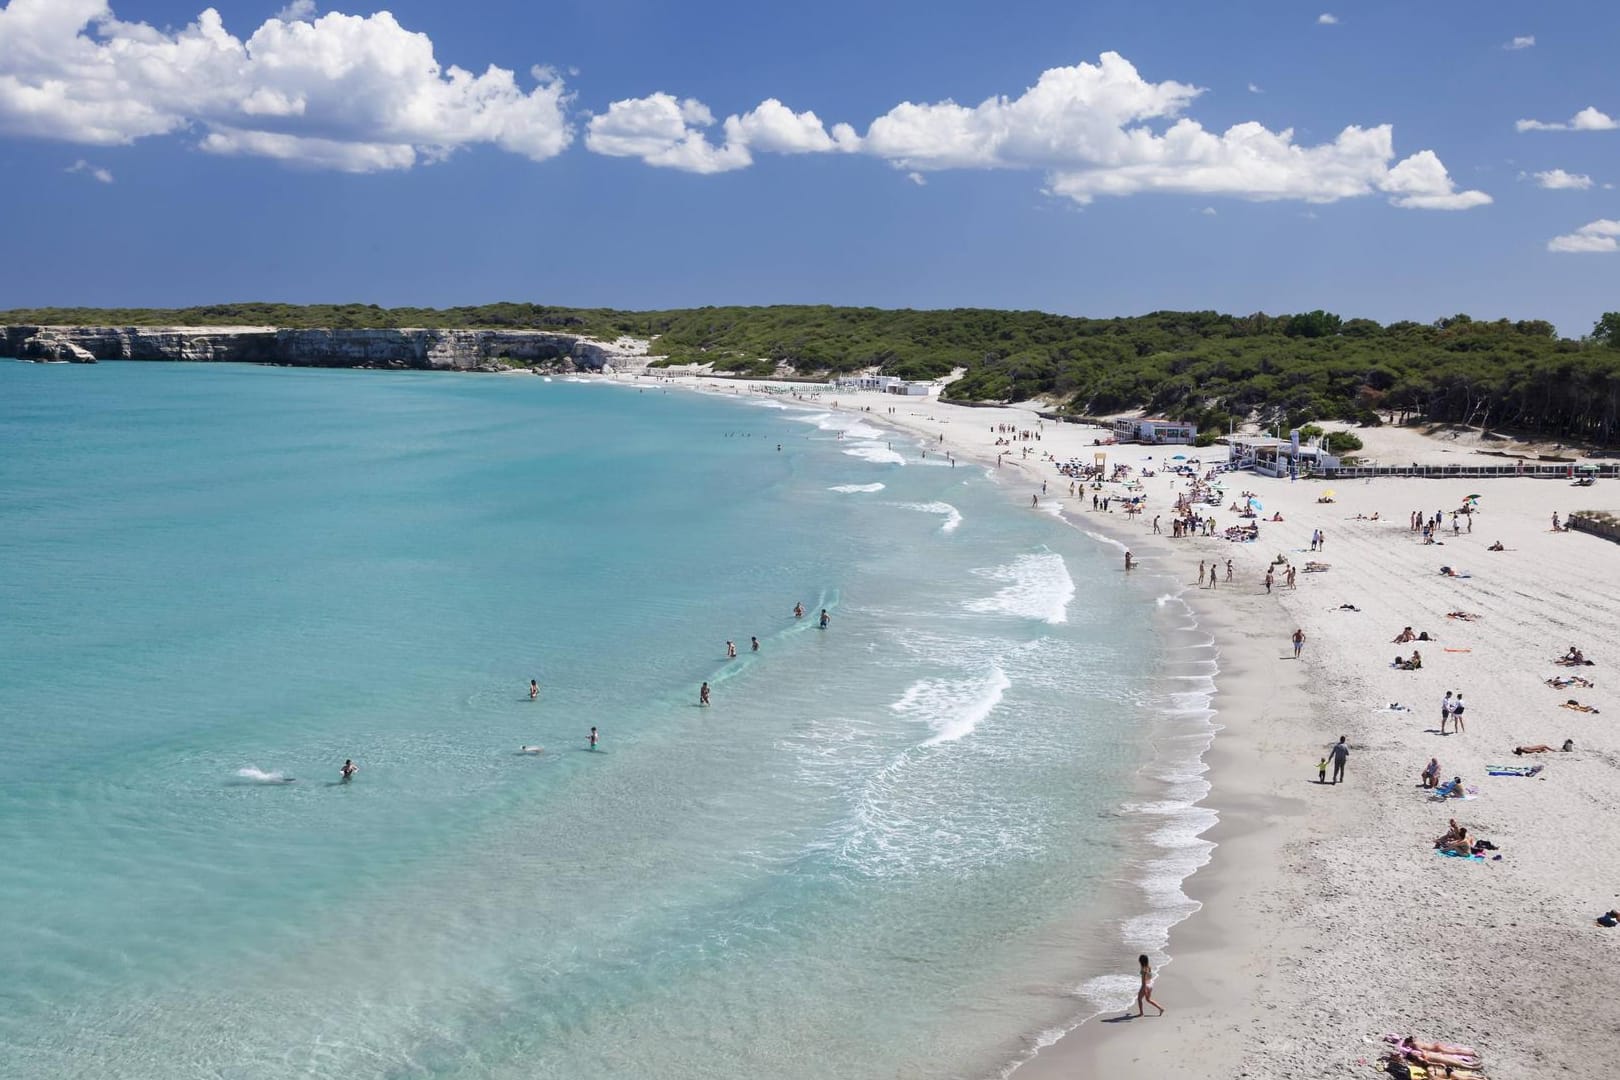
x: 156, y: 156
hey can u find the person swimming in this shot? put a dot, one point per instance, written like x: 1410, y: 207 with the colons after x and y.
x: 349, y: 769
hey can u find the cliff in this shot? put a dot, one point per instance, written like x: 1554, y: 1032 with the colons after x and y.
x: 445, y: 350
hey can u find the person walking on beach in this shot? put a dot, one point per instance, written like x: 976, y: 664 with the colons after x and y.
x: 1212, y: 575
x: 1229, y: 570
x: 534, y: 689
x: 1338, y: 753
x: 1321, y: 770
x: 703, y: 694
x: 349, y: 769
x: 1200, y: 571
x: 1457, y: 713
x: 1445, y: 712
x: 1145, y: 992
x: 1299, y: 642
x: 593, y: 738
x: 1268, y: 582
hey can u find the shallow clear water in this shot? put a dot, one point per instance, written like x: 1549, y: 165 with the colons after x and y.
x: 893, y: 848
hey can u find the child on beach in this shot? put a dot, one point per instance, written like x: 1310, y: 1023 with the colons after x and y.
x: 1321, y: 770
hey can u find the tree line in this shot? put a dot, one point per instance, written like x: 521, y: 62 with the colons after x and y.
x: 1203, y: 366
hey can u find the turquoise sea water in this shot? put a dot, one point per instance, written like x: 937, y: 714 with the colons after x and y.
x: 899, y: 847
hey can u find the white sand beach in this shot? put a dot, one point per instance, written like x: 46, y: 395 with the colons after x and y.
x: 1328, y: 919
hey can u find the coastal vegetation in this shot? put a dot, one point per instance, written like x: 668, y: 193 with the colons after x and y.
x: 1211, y: 368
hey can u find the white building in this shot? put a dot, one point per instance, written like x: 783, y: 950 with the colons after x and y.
x: 1154, y: 430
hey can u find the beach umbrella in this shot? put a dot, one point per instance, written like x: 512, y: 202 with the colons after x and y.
x: 1471, y: 498
x: 1179, y: 457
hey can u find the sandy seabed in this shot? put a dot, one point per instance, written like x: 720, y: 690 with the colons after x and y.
x: 1327, y: 919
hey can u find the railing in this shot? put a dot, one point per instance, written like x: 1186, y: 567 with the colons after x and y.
x: 1470, y: 472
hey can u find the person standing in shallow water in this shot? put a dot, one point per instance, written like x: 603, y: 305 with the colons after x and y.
x: 593, y: 738
x: 534, y: 689
x: 1144, y: 993
x: 703, y: 694
x: 825, y: 618
x: 349, y: 769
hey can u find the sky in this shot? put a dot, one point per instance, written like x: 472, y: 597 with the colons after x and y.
x: 1390, y: 160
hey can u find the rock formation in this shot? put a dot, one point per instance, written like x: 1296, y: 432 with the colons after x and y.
x: 450, y: 350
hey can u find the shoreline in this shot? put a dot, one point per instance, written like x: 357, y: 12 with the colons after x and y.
x: 1082, y: 1040
x: 1324, y: 918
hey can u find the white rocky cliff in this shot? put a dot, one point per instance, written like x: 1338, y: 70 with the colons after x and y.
x: 451, y: 350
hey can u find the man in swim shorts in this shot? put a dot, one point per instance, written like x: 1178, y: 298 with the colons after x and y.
x: 349, y: 769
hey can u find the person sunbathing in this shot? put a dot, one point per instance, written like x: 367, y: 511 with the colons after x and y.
x: 1404, y: 636
x: 1465, y: 616
x: 1573, y: 658
x: 1561, y: 682
x: 1543, y: 748
x: 1496, y: 547
x: 1453, y: 790
x: 1467, y: 1054
x: 1577, y: 706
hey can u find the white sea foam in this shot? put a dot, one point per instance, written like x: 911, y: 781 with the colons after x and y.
x: 875, y: 452
x: 259, y: 776
x: 767, y: 404
x: 953, y: 708
x: 953, y: 516
x: 1038, y: 587
x: 853, y: 489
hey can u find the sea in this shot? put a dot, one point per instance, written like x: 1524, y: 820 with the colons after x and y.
x: 922, y: 841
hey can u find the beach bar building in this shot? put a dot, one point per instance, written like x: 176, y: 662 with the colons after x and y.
x: 1278, y: 457
x: 881, y: 383
x: 1154, y: 431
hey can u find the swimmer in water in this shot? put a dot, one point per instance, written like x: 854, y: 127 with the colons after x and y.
x: 825, y: 618
x: 798, y: 611
x: 703, y: 694
x: 731, y: 651
x: 593, y: 738
x: 754, y: 641
x: 534, y: 689
x: 349, y: 769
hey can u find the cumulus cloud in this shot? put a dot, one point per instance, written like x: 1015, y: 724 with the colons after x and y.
x: 1559, y: 180
x: 1208, y: 211
x: 664, y: 131
x: 1086, y: 127
x: 1253, y: 89
x: 1598, y: 236
x: 1588, y: 119
x: 917, y: 178
x: 92, y: 171
x: 1327, y: 19
x: 350, y: 92
x: 1527, y: 41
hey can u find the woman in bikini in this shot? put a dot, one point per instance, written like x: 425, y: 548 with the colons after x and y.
x: 1145, y: 992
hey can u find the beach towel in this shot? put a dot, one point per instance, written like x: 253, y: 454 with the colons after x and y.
x: 1459, y: 855
x: 1513, y: 770
x: 1459, y: 650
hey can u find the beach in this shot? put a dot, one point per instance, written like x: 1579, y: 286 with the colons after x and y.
x: 1327, y: 918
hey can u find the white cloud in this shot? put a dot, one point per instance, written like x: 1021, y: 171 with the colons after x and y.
x: 1421, y: 183
x: 917, y: 178
x: 1085, y: 126
x: 662, y: 131
x: 1253, y: 89
x: 1588, y: 119
x: 1327, y: 19
x: 1602, y: 235
x: 1208, y: 211
x: 1558, y: 179
x: 350, y: 92
x: 83, y: 166
x: 1527, y: 41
